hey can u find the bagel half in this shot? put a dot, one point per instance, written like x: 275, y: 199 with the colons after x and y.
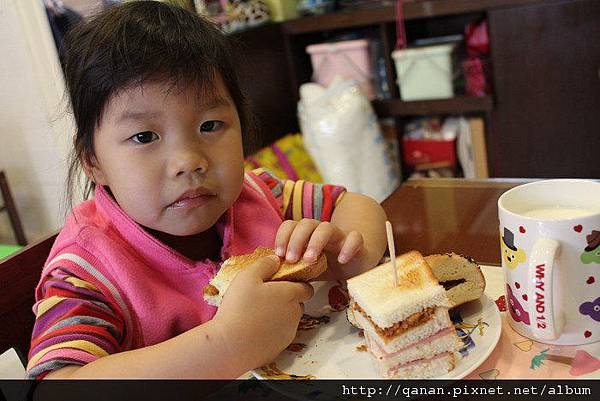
x: 460, y: 276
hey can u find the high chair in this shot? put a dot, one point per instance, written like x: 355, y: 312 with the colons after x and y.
x: 19, y: 274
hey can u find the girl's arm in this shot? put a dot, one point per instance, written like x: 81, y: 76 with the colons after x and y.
x: 362, y: 214
x: 243, y: 335
x: 201, y: 352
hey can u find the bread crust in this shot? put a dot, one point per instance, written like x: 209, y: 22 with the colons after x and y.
x: 300, y: 271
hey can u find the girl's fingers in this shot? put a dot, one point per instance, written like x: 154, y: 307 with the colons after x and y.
x: 264, y: 268
x: 299, y: 239
x: 319, y: 239
x: 301, y: 292
x: 308, y: 238
x: 352, y: 245
x: 282, y: 238
x: 288, y: 291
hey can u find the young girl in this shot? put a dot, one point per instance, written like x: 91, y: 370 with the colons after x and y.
x: 160, y: 124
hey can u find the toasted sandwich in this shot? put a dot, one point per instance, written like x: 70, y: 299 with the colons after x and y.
x: 407, y: 327
x: 459, y: 275
x: 299, y: 271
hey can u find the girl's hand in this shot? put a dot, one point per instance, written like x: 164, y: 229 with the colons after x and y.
x: 308, y: 238
x: 258, y: 318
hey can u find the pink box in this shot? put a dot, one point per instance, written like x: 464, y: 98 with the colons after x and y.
x: 349, y: 59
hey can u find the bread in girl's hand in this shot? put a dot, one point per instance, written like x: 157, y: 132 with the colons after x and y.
x: 460, y: 276
x: 299, y: 271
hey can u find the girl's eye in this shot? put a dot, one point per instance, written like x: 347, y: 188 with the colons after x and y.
x: 210, y: 126
x: 144, y: 137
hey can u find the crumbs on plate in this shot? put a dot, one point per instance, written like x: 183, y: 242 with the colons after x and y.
x: 308, y: 322
x: 271, y: 371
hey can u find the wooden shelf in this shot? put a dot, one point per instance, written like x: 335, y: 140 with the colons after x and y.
x: 340, y: 20
x: 455, y: 105
x: 376, y: 15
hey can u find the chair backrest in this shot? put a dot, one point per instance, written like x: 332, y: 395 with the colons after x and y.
x: 11, y: 208
x: 19, y: 275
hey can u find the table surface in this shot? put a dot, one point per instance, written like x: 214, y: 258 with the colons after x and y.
x: 449, y: 215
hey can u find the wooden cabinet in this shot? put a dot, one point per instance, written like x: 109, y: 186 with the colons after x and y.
x: 265, y: 76
x: 543, y: 117
x: 546, y: 60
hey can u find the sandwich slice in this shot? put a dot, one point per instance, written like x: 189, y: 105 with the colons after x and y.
x: 460, y: 276
x: 214, y: 291
x: 407, y: 327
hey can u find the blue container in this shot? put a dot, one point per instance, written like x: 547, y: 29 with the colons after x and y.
x: 314, y: 7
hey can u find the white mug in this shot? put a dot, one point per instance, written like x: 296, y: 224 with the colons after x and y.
x: 550, y: 246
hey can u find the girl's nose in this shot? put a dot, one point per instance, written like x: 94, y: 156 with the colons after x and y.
x: 188, y: 161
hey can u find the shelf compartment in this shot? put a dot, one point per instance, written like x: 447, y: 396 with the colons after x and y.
x: 455, y: 105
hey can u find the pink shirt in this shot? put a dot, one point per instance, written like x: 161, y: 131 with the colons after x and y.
x: 132, y: 290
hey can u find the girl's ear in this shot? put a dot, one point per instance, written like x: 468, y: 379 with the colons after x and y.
x: 93, y: 171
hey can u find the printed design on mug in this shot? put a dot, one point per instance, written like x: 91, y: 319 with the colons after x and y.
x: 591, y: 309
x: 591, y: 253
x: 510, y: 253
x: 518, y: 313
x: 501, y: 303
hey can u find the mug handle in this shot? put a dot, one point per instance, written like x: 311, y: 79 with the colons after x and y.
x: 540, y: 275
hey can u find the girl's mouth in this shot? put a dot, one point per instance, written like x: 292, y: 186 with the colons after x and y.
x: 192, y: 198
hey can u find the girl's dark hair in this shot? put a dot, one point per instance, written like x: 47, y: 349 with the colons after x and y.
x: 130, y: 44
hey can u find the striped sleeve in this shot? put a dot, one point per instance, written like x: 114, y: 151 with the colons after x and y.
x: 302, y: 199
x: 74, y: 325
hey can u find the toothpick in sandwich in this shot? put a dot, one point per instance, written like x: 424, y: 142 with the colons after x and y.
x: 391, y: 247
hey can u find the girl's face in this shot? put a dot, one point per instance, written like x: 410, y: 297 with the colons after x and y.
x: 172, y: 159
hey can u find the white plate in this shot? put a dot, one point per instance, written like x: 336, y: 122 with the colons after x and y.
x: 331, y: 350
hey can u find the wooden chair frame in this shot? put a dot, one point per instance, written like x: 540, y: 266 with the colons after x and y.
x: 19, y: 275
